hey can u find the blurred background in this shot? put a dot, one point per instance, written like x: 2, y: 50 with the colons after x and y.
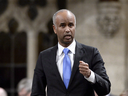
x: 26, y: 29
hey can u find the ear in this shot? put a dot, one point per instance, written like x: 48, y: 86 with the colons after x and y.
x: 54, y: 28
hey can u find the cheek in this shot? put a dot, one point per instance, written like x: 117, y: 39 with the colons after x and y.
x: 60, y: 32
x: 73, y: 32
x: 60, y: 35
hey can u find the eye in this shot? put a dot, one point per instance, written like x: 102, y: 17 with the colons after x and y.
x: 62, y: 25
x: 70, y: 24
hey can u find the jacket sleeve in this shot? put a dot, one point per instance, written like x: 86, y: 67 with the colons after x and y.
x: 39, y: 79
x: 102, y: 84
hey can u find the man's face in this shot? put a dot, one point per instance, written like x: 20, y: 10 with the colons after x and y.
x: 65, y: 28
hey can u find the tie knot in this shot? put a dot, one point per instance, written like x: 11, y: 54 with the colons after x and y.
x: 66, y: 50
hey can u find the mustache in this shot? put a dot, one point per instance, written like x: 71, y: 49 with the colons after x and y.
x: 67, y: 34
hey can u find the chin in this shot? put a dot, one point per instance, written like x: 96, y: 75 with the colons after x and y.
x: 68, y: 42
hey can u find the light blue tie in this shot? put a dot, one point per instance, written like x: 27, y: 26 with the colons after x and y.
x: 66, y: 67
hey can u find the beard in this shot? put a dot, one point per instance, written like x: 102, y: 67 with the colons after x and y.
x: 67, y: 41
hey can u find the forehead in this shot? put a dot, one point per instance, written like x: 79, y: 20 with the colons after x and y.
x: 65, y: 16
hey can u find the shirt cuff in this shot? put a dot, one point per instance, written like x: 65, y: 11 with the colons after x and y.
x: 91, y: 78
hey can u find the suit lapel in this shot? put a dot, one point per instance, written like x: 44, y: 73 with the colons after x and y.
x: 78, y: 56
x: 55, y: 68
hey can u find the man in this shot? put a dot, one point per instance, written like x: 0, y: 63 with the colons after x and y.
x: 24, y: 87
x: 84, y: 67
x: 3, y: 92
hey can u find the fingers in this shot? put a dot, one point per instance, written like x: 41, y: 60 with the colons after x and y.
x: 82, y: 63
x: 83, y: 66
x: 84, y: 69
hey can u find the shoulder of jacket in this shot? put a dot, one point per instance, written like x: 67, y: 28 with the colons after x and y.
x: 87, y: 46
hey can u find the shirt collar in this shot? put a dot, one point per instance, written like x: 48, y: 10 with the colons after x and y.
x: 71, y: 47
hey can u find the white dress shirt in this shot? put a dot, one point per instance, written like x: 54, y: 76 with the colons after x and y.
x: 71, y: 54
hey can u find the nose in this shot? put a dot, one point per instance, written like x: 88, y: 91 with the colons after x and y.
x: 67, y: 29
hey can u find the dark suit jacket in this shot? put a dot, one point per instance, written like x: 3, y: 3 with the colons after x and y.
x: 46, y: 74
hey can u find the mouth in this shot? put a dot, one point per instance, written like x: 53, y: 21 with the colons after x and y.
x: 67, y: 36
